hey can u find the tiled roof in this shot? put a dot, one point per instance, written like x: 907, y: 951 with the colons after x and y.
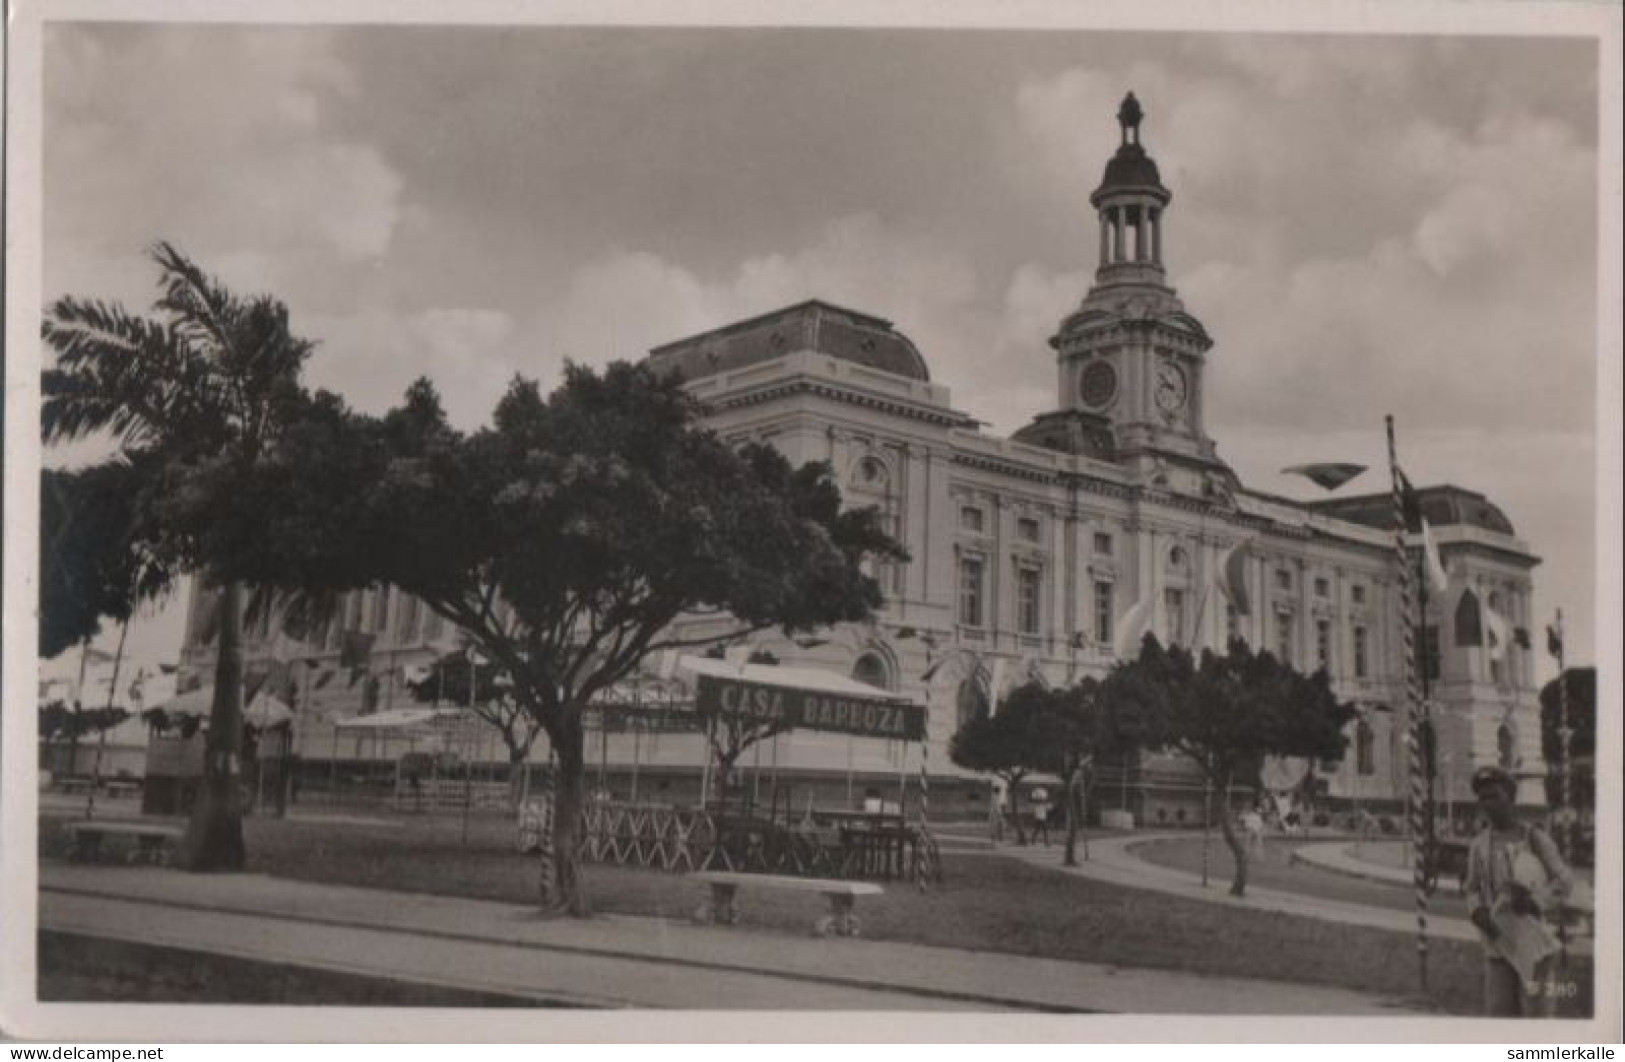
x: 809, y: 326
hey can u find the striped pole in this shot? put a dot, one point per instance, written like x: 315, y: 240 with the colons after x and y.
x: 1413, y: 701
x: 925, y: 801
x: 545, y: 849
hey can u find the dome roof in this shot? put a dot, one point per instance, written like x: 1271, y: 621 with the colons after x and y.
x: 814, y: 326
x: 1442, y: 506
x: 1131, y: 167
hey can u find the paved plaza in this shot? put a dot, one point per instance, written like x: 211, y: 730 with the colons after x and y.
x: 625, y: 961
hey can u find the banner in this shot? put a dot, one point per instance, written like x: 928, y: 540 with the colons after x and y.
x: 809, y: 709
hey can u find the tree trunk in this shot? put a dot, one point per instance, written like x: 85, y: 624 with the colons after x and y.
x: 214, y: 836
x: 569, y: 785
x: 1070, y: 795
x: 516, y: 776
x: 1014, y: 798
x: 1238, y: 849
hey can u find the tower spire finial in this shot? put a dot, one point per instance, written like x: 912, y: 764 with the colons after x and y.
x: 1129, y: 116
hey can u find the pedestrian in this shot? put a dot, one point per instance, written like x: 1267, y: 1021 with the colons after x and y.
x: 1040, y: 802
x: 1252, y: 827
x: 1514, y: 873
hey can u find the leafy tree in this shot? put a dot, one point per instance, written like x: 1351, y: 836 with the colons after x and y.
x: 95, y: 561
x: 1009, y: 744
x: 1227, y: 713
x: 565, y: 539
x: 198, y: 394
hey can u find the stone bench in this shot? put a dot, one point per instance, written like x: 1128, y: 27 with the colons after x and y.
x: 149, y: 842
x: 842, y: 897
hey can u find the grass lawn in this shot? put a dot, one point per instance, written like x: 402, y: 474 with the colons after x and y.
x: 988, y: 903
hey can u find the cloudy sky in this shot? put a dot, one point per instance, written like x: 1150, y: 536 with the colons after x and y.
x: 1366, y: 225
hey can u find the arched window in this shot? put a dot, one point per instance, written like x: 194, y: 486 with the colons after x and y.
x: 1178, y: 560
x: 1469, y: 624
x: 871, y: 669
x: 1365, y: 748
x: 971, y: 703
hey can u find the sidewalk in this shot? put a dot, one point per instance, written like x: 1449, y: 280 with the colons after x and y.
x: 618, y: 961
x: 1112, y: 859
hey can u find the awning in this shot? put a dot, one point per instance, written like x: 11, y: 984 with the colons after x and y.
x: 263, y: 711
x: 399, y: 719
x: 797, y: 698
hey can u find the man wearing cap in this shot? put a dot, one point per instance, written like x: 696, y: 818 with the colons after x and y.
x: 1512, y: 867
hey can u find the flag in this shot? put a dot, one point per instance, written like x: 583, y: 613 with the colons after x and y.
x: 1232, y: 577
x: 995, y: 682
x: 1329, y: 475
x: 1554, y: 640
x: 1432, y: 564
x: 1498, y: 632
x: 1410, y: 502
x: 1132, y: 627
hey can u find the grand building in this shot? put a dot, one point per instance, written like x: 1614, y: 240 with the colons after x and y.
x: 1029, y: 554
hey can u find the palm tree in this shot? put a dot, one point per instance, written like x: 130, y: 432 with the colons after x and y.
x: 201, y: 390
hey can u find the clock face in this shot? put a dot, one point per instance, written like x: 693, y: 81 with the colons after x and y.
x: 1171, y: 389
x: 1098, y: 385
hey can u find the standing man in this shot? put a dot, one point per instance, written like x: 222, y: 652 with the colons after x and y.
x: 1513, y: 871
x: 1040, y: 803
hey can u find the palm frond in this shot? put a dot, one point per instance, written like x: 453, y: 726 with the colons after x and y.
x: 202, y: 307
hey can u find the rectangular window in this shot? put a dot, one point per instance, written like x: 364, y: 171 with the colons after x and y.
x: 1283, y: 579
x: 1027, y: 591
x: 1174, y: 604
x: 380, y: 610
x: 970, y: 591
x: 1358, y: 593
x: 1322, y: 587
x: 1103, y: 543
x: 1323, y: 644
x: 1361, y: 668
x: 1103, y: 613
x: 970, y: 519
x: 1284, y: 636
x: 1027, y: 529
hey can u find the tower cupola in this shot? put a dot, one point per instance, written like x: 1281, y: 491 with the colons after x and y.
x: 1130, y: 201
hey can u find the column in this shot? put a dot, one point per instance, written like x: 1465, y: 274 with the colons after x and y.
x: 1142, y: 242
x: 1105, y: 236
x: 1117, y: 234
x: 1156, y: 236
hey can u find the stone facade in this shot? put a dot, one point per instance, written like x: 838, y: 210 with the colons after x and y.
x: 1027, y: 553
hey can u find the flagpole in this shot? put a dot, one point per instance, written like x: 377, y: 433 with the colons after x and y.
x: 1565, y: 735
x: 1413, y: 702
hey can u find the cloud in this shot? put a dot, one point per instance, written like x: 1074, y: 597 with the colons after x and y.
x: 235, y: 155
x: 371, y: 355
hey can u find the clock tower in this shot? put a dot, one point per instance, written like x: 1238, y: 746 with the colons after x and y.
x: 1129, y: 358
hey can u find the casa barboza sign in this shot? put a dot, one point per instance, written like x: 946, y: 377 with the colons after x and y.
x: 794, y: 708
